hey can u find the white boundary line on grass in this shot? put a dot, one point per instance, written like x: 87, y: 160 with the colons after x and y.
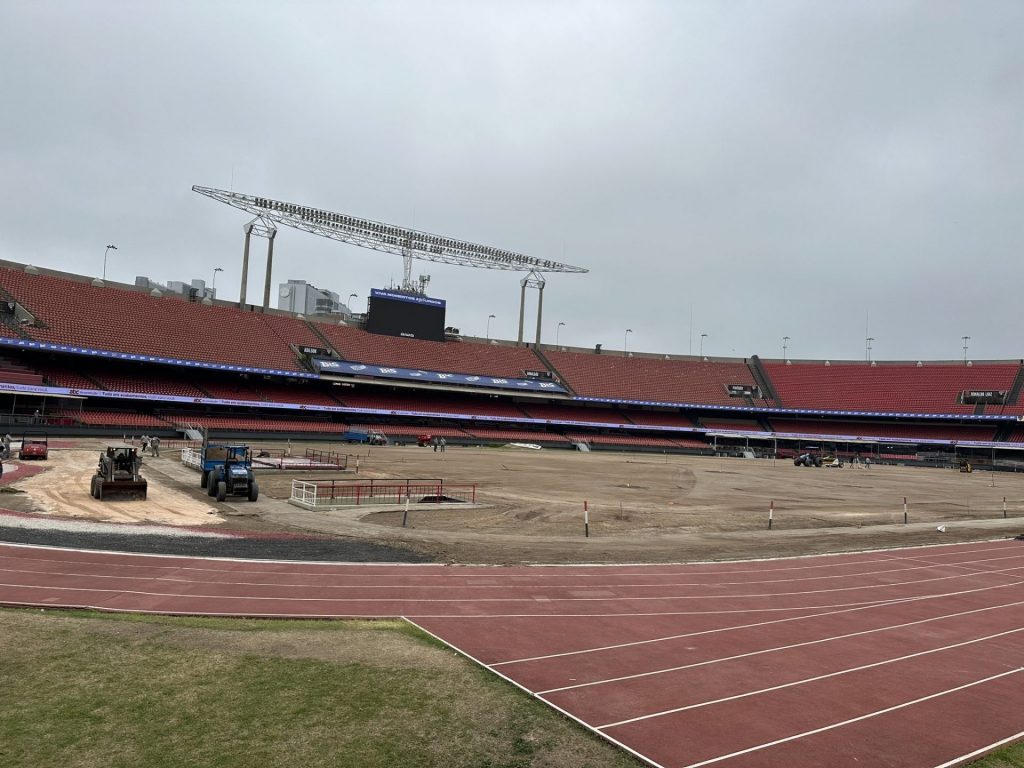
x: 983, y: 750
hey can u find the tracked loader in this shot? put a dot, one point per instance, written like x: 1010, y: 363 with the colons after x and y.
x: 118, y: 475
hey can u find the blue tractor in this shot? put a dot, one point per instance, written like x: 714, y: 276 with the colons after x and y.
x: 227, y: 471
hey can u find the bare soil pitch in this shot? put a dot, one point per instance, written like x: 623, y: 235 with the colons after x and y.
x: 642, y: 507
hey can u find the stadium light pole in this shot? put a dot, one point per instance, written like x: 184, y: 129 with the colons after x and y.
x: 215, y: 271
x: 625, y: 341
x: 867, y: 347
x: 489, y: 318
x: 702, y: 337
x: 785, y: 346
x: 965, y: 340
x: 109, y: 249
x: 350, y: 297
x: 557, y: 331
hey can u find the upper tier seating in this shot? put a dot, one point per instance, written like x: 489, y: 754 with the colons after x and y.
x: 448, y: 356
x: 650, y: 378
x: 887, y: 387
x: 79, y: 314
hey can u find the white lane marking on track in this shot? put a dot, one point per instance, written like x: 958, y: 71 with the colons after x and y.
x: 966, y: 565
x: 885, y: 555
x: 849, y: 607
x: 313, y: 585
x: 795, y: 683
x: 378, y: 614
x: 868, y: 603
x: 530, y: 693
x: 532, y: 600
x: 983, y: 750
x: 852, y: 720
x: 776, y: 649
x: 536, y: 588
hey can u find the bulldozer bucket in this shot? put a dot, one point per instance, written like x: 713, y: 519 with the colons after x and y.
x: 121, y: 489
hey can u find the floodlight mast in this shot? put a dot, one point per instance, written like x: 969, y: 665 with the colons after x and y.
x: 387, y: 238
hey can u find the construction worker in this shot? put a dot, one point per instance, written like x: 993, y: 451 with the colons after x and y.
x: 154, y: 446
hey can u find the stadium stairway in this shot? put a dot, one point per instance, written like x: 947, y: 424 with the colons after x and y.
x: 323, y: 339
x: 1013, y: 395
x: 1003, y: 431
x: 550, y: 366
x: 761, y: 378
x: 11, y: 323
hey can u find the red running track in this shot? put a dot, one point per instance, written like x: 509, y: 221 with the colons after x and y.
x: 906, y: 658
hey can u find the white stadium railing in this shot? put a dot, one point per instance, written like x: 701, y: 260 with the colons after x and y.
x: 191, y: 457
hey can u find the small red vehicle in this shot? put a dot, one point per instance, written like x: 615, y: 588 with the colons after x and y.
x: 424, y: 441
x: 34, y: 447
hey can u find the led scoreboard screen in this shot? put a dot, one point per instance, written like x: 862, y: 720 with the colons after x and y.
x: 400, y: 314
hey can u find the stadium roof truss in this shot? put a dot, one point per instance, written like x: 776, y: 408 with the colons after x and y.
x: 387, y: 238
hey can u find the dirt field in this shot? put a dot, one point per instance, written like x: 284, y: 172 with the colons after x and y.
x: 650, y: 507
x: 542, y: 492
x: 642, y: 506
x: 63, y: 489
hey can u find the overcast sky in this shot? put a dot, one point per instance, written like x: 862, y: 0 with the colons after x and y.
x: 779, y: 168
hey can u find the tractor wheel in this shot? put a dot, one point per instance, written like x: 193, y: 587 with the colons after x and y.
x: 817, y: 461
x: 99, y: 488
x: 204, y: 479
x: 92, y: 486
x: 222, y: 490
x: 211, y: 482
x: 254, y: 491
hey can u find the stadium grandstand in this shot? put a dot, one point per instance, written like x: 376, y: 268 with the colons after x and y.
x: 85, y: 357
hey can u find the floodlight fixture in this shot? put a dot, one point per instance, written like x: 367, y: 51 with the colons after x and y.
x: 386, y: 238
